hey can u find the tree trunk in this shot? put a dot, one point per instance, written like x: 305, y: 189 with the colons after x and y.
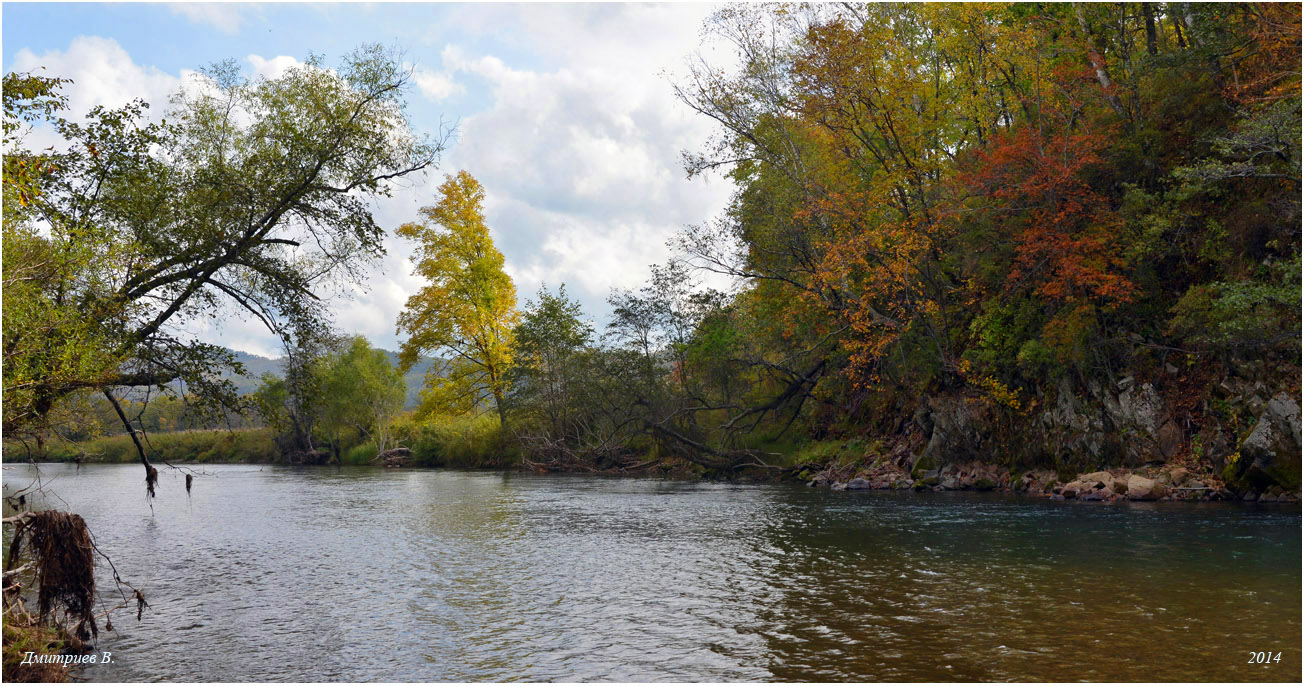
x: 1099, y: 63
x: 502, y: 411
x: 1148, y: 14
x: 151, y: 474
x: 1190, y: 21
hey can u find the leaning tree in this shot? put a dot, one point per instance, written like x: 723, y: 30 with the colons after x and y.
x: 248, y: 193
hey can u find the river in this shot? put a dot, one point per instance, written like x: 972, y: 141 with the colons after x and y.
x: 363, y: 574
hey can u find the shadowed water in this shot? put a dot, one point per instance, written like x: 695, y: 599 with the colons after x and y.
x: 364, y: 574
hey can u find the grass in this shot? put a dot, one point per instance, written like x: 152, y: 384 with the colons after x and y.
x: 837, y: 452
x: 472, y: 442
x: 19, y: 640
x: 242, y: 445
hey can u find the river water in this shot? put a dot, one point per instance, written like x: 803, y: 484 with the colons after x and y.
x: 362, y: 574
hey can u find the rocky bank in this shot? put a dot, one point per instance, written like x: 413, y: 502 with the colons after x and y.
x: 1134, y: 439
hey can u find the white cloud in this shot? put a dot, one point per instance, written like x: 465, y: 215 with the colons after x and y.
x: 223, y: 16
x: 273, y: 68
x: 581, y: 163
x: 102, y: 73
x: 437, y: 86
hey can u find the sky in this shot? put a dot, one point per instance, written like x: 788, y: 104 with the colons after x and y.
x: 564, y: 112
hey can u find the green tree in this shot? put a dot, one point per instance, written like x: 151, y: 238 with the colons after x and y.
x: 546, y: 379
x: 249, y: 194
x: 295, y: 403
x: 361, y: 390
x: 468, y: 308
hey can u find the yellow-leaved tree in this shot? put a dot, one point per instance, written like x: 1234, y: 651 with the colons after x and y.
x: 468, y: 309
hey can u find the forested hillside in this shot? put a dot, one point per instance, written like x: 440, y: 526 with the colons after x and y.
x: 1051, y: 235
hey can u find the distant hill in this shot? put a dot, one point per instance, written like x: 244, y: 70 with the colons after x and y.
x: 257, y: 365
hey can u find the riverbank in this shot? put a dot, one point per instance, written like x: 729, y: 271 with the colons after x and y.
x: 20, y: 640
x: 1126, y: 446
x: 929, y: 453
x: 836, y: 465
x: 470, y: 443
x: 236, y: 446
x: 1176, y: 481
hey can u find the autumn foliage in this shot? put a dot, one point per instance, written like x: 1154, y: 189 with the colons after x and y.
x: 989, y: 199
x: 1068, y: 240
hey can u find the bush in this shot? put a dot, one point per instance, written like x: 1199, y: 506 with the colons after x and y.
x: 361, y: 454
x: 471, y: 441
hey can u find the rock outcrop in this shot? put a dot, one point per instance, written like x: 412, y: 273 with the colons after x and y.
x: 1270, y: 455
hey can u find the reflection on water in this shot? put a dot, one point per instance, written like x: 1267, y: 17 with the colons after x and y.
x: 364, y: 574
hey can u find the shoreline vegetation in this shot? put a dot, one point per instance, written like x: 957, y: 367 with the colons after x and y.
x: 476, y: 443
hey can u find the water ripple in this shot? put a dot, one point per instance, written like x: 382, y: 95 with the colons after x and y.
x: 365, y: 574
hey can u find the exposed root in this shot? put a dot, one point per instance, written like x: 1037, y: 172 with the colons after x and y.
x: 55, y: 553
x: 63, y: 557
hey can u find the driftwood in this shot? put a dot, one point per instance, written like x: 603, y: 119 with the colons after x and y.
x: 395, y: 457
x: 712, y: 458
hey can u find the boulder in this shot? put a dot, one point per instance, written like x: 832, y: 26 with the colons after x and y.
x: 956, y: 427
x: 1142, y: 488
x: 858, y: 485
x: 1271, y: 454
x: 1137, y: 420
x: 1105, y: 478
x: 1095, y: 482
x: 1169, y: 439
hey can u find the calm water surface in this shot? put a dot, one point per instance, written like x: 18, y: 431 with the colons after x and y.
x: 364, y: 574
